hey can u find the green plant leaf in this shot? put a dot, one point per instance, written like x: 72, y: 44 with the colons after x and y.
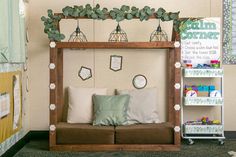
x: 66, y: 13
x: 83, y: 13
x: 75, y: 13
x: 116, y: 10
x: 125, y: 8
x: 97, y: 6
x: 119, y: 18
x: 120, y: 13
x: 174, y: 16
x: 142, y: 13
x: 104, y: 10
x: 160, y: 12
x: 112, y: 14
x: 80, y: 7
x: 146, y: 18
x: 70, y: 11
x: 50, y: 12
x: 94, y: 16
x: 149, y: 12
x: 43, y: 18
x: 88, y: 12
x: 142, y: 18
x: 129, y: 16
x: 103, y: 17
x: 88, y: 6
x: 62, y: 36
x: 46, y: 30
x: 99, y: 11
x: 166, y: 17
x: 50, y: 20
x: 133, y: 12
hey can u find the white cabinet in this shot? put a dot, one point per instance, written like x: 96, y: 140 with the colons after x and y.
x: 192, y: 129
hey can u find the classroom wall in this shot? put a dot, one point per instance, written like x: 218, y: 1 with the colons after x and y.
x: 148, y: 62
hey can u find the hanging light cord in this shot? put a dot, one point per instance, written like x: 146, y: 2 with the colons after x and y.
x: 77, y: 28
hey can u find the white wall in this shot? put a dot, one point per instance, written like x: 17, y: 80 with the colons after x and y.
x: 148, y: 62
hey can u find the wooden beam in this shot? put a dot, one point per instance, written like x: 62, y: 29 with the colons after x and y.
x: 116, y: 147
x: 116, y: 45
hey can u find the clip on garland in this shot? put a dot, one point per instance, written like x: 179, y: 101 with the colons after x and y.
x: 97, y: 13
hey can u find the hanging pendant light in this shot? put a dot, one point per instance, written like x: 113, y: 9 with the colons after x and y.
x: 118, y: 35
x: 159, y: 34
x: 77, y: 35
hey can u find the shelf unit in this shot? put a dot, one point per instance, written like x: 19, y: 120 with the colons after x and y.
x: 173, y: 82
x: 191, y: 131
x: 203, y: 101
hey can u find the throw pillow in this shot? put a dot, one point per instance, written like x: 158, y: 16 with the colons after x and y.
x: 80, y: 109
x: 110, y: 110
x: 143, y: 105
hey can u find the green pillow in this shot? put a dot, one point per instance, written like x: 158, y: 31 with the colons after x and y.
x: 110, y: 110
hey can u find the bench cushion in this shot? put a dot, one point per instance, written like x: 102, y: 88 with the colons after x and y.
x: 161, y: 133
x: 84, y: 134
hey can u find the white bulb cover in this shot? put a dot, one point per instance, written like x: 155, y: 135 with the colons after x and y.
x: 177, y: 44
x: 52, y: 66
x: 177, y: 86
x: 52, y: 86
x: 177, y: 129
x: 177, y: 107
x: 52, y: 44
x: 52, y: 127
x: 52, y: 107
x: 177, y: 64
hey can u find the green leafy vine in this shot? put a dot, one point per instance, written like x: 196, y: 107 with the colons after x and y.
x: 50, y: 26
x: 98, y: 13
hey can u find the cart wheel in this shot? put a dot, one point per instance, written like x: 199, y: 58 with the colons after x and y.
x: 190, y: 142
x: 221, y: 142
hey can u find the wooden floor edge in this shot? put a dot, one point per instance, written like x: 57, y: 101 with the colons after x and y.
x: 115, y: 147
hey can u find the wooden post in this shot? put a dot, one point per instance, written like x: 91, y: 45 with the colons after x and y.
x: 60, y: 98
x: 171, y: 80
x: 53, y: 86
x: 170, y: 85
x: 177, y: 97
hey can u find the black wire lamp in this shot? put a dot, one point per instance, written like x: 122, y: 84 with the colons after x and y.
x: 118, y: 35
x: 77, y: 35
x: 159, y: 34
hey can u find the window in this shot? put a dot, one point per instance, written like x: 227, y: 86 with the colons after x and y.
x: 12, y: 32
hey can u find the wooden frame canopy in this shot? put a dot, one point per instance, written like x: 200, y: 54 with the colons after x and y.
x: 173, y: 105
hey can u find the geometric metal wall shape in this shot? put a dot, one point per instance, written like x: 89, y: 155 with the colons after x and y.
x: 139, y: 81
x: 85, y: 73
x: 116, y: 62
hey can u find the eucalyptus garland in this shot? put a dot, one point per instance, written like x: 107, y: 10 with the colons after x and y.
x: 98, y: 13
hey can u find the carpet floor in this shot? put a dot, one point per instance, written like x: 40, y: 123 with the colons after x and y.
x: 201, y: 148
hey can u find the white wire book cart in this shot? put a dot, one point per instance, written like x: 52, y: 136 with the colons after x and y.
x: 195, y: 130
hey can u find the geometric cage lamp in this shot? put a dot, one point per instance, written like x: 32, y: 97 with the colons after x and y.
x: 159, y: 34
x: 77, y: 35
x: 118, y: 35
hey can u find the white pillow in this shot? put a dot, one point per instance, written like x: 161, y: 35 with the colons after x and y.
x: 142, y: 107
x: 80, y: 109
